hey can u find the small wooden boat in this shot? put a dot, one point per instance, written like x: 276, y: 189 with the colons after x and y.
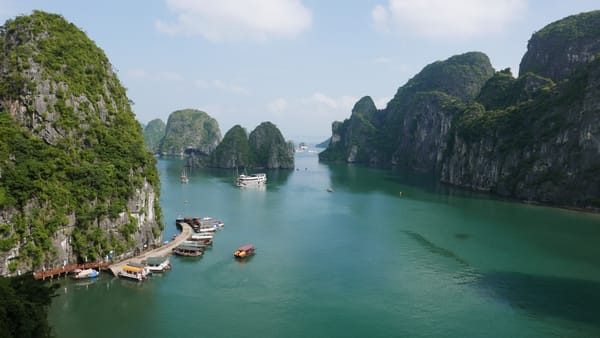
x: 187, y: 250
x: 184, y: 177
x: 134, y: 271
x: 245, y: 251
x: 86, y: 273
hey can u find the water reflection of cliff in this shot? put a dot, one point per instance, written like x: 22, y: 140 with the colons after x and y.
x: 362, y: 179
x: 172, y: 170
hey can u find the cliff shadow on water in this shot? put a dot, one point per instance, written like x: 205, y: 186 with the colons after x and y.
x: 398, y: 182
x: 567, y: 298
x: 540, y: 295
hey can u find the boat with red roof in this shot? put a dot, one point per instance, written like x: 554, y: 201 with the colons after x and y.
x: 245, y: 251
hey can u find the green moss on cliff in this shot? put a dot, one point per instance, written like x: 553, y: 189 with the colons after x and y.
x: 562, y: 47
x: 265, y: 147
x: 461, y: 76
x: 233, y: 151
x: 80, y: 154
x: 190, y: 129
x: 153, y: 134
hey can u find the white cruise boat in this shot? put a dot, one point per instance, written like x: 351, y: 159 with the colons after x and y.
x: 134, y: 271
x: 201, y: 236
x: 254, y: 180
x: 157, y: 264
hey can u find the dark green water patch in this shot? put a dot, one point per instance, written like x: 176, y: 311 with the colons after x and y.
x: 461, y: 235
x: 431, y: 247
x: 465, y: 275
x: 567, y: 298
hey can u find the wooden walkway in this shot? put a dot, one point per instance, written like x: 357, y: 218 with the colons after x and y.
x: 66, y: 269
x: 165, y: 250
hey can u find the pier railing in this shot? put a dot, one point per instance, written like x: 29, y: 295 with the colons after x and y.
x: 65, y: 269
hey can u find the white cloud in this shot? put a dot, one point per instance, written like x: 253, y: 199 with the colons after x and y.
x: 201, y: 84
x: 169, y: 76
x: 141, y: 74
x: 309, y: 116
x: 324, y: 102
x: 232, y: 87
x: 382, y: 59
x: 316, y: 107
x: 137, y: 74
x: 256, y: 20
x: 447, y: 19
x: 277, y: 106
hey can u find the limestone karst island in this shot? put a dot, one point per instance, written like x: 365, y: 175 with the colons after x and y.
x: 466, y: 205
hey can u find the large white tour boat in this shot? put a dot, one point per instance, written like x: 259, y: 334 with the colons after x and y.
x: 253, y: 180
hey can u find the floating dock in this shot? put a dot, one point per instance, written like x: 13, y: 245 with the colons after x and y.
x: 165, y: 250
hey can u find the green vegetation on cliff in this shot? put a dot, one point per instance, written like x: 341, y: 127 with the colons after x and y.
x: 269, y: 148
x: 562, y: 47
x: 533, y: 137
x: 190, y: 129
x: 233, y: 151
x: 71, y: 150
x: 153, y: 134
x: 461, y: 76
x: 265, y: 147
x: 395, y: 135
x: 357, y: 134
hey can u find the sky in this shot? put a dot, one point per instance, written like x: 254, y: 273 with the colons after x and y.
x: 300, y: 64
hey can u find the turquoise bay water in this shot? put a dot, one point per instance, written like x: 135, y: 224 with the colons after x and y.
x: 359, y: 261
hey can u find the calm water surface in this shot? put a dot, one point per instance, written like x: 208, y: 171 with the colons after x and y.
x: 359, y: 261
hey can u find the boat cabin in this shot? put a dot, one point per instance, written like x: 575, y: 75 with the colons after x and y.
x: 157, y: 264
x: 134, y: 271
x: 245, y: 251
x: 187, y: 250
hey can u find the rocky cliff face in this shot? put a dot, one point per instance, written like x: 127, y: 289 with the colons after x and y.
x: 562, y: 47
x: 351, y: 140
x: 76, y: 182
x: 269, y: 148
x: 265, y: 148
x: 233, y: 151
x: 533, y: 138
x: 545, y: 149
x: 539, y: 143
x: 153, y: 134
x: 190, y: 129
x: 412, y: 130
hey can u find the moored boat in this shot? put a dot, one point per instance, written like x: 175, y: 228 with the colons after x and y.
x: 187, y: 250
x: 86, y: 273
x: 245, y: 251
x: 201, y: 236
x: 209, y: 222
x: 197, y: 244
x: 201, y: 242
x: 157, y: 264
x: 134, y: 271
x: 184, y: 178
x: 253, y: 180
